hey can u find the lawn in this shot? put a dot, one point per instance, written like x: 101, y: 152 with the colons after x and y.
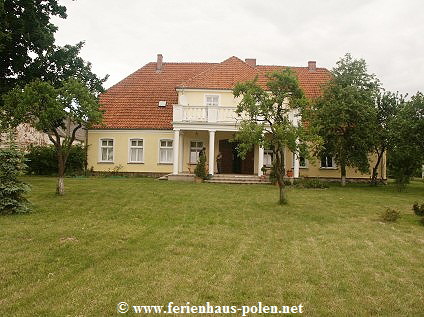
x: 149, y: 242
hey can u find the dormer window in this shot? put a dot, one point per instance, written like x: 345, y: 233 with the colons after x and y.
x: 212, y: 100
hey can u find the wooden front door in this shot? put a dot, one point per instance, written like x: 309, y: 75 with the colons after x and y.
x: 231, y: 163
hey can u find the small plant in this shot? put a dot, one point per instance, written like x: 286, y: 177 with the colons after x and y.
x: 390, y: 215
x: 200, y: 170
x: 418, y: 210
x: 314, y: 183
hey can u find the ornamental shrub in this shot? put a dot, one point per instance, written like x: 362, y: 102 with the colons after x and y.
x: 12, y: 190
x: 390, y: 215
x: 418, y: 210
x: 200, y: 170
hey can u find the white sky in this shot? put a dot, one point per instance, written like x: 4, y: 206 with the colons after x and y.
x: 123, y: 35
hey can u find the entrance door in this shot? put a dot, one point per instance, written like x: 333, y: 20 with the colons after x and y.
x: 231, y: 163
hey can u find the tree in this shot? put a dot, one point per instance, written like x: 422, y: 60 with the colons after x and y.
x: 274, y: 111
x: 406, y: 154
x: 345, y: 113
x: 25, y: 33
x: 12, y: 190
x: 387, y: 109
x: 54, y: 111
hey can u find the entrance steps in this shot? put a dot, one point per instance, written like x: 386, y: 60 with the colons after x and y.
x: 238, y: 179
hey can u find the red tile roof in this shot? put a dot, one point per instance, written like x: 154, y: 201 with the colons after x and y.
x: 133, y: 102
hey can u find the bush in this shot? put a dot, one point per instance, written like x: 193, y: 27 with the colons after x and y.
x: 418, y: 210
x: 12, y: 190
x: 200, y: 170
x: 312, y: 183
x: 42, y: 160
x: 390, y: 215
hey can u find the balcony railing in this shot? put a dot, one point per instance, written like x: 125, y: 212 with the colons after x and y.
x: 205, y: 114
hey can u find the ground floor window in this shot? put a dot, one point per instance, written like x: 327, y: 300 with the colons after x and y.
x: 165, y: 151
x: 303, y: 162
x: 136, y: 150
x: 327, y: 161
x: 268, y: 157
x: 195, y: 148
x: 106, y: 150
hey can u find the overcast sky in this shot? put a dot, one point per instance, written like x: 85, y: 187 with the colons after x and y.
x: 123, y: 35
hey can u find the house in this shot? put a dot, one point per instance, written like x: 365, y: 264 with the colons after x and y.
x: 159, y: 118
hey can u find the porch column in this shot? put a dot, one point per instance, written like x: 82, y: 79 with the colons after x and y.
x: 260, y: 160
x: 176, y: 151
x: 211, y: 151
x: 296, y: 166
x: 181, y: 153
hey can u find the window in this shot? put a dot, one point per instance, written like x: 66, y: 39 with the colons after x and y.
x: 268, y: 157
x: 327, y: 162
x: 212, y: 100
x: 165, y: 151
x: 136, y: 150
x: 106, y: 150
x: 195, y: 148
x: 302, y: 161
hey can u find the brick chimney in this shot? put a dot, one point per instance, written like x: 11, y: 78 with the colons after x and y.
x: 159, y: 63
x: 251, y: 61
x: 312, y: 66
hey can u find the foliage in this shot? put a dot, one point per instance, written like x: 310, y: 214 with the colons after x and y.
x: 12, y: 190
x: 387, y: 106
x: 406, y: 155
x: 59, y: 112
x: 25, y: 32
x: 390, y: 215
x: 313, y: 183
x: 273, y: 120
x: 42, y: 160
x: 345, y: 113
x: 418, y: 210
x: 200, y: 170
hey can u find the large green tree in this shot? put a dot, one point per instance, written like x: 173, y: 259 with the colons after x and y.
x: 271, y: 117
x: 25, y: 34
x: 59, y: 112
x: 345, y: 113
x: 406, y: 153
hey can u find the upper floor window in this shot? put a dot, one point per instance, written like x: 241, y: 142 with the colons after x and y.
x: 106, y: 150
x: 195, y: 148
x: 136, y: 150
x: 327, y: 162
x: 212, y: 100
x: 166, y: 151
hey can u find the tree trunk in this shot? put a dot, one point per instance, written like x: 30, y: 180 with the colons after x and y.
x: 375, y: 168
x: 279, y: 173
x: 283, y: 196
x: 60, y: 188
x: 343, y: 174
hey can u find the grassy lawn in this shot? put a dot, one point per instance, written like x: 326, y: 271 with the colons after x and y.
x: 149, y: 242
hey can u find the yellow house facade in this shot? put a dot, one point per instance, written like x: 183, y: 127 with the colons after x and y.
x: 161, y: 117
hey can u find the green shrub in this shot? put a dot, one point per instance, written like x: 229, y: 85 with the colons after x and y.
x: 200, y: 170
x: 418, y: 210
x: 315, y: 183
x: 42, y: 160
x: 390, y: 215
x: 12, y: 190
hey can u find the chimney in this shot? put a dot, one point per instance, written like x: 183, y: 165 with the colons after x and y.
x: 159, y: 63
x: 312, y: 66
x: 251, y: 61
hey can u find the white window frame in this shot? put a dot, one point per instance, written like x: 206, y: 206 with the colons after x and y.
x: 268, y: 152
x: 197, y: 150
x: 166, y: 148
x: 218, y: 96
x: 135, y: 147
x: 333, y: 164
x: 301, y: 166
x: 101, y: 146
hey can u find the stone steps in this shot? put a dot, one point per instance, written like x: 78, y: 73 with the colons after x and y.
x: 237, y: 179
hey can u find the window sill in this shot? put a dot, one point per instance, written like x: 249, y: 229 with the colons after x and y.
x: 328, y: 168
x: 160, y: 163
x: 135, y: 163
x: 105, y: 162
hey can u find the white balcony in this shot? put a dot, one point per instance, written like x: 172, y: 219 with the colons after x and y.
x: 217, y: 114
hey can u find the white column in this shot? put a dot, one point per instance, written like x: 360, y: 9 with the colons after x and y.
x: 296, y: 166
x: 181, y: 153
x: 211, y: 151
x: 176, y: 151
x: 260, y: 160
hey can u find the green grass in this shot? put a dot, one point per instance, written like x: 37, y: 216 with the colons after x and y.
x: 149, y: 242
